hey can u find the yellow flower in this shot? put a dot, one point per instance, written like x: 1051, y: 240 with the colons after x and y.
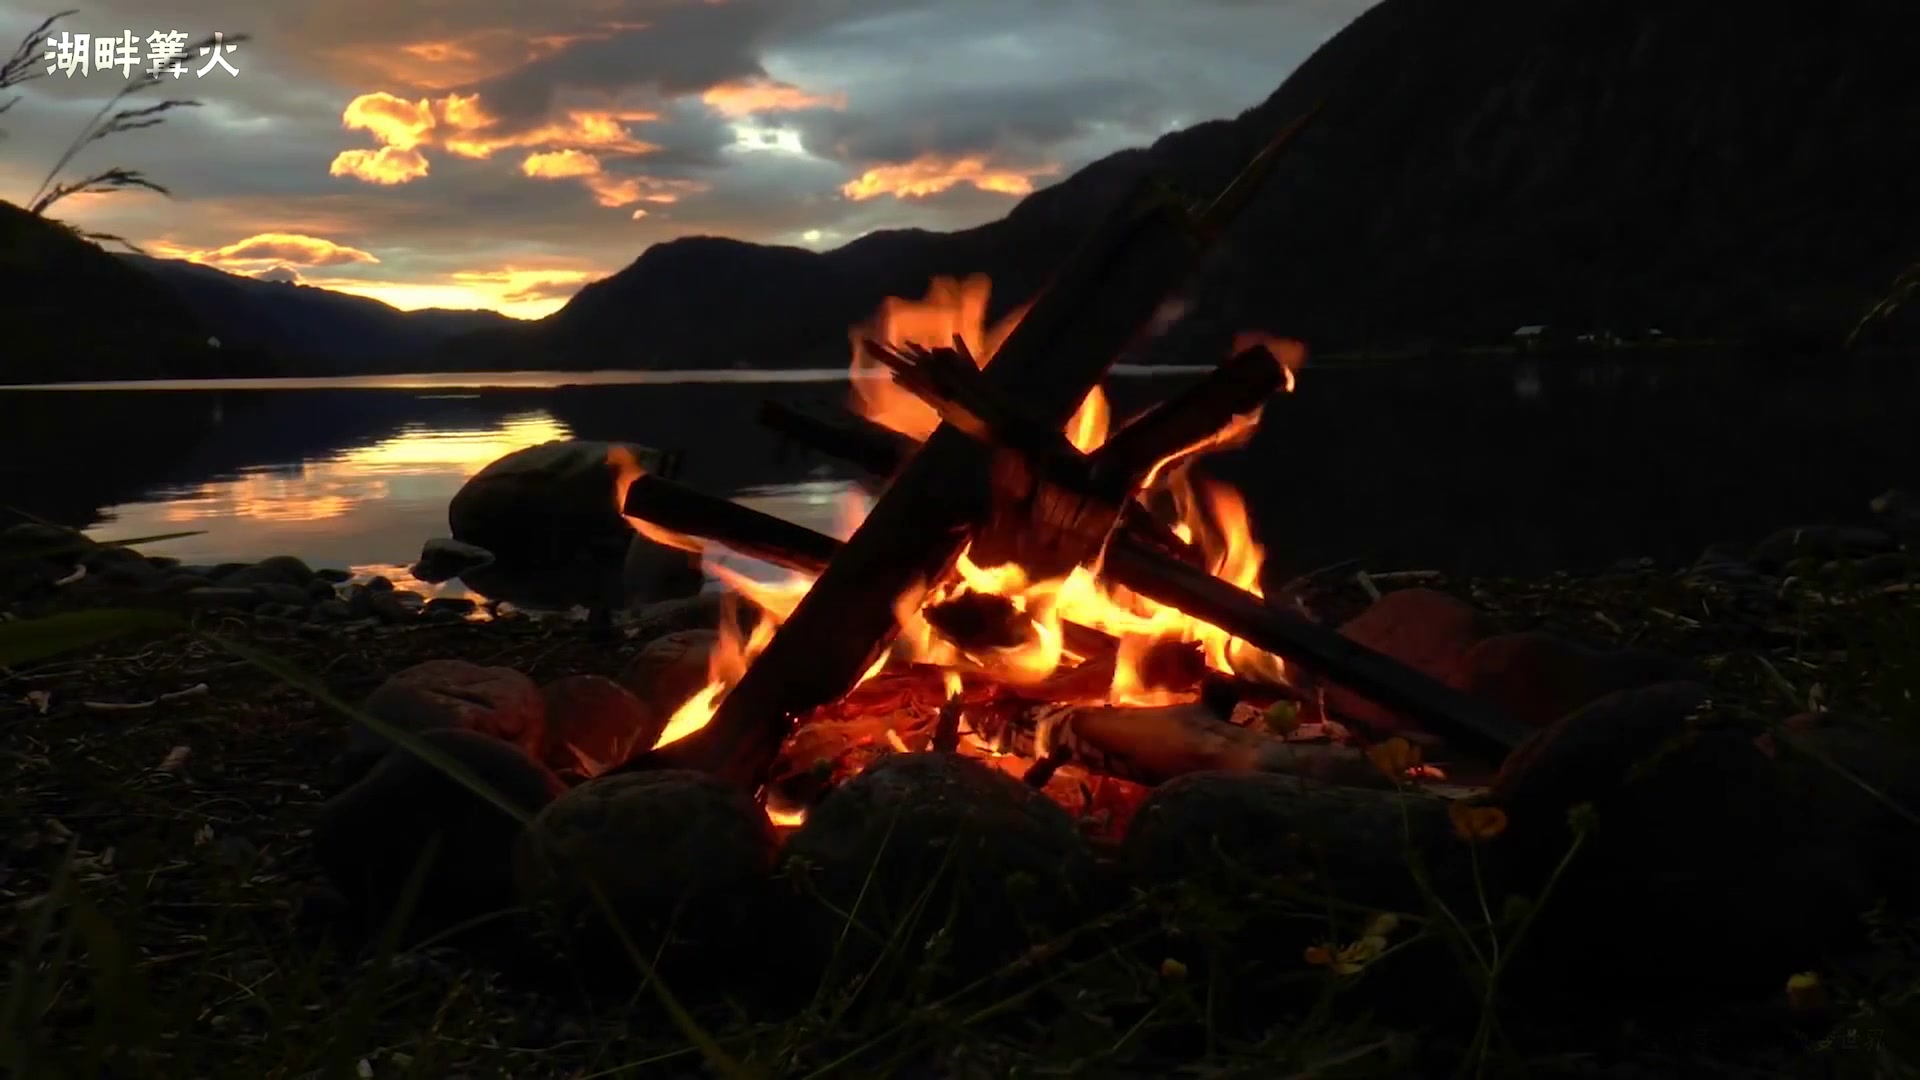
x: 1350, y: 958
x: 1474, y: 823
x: 1172, y: 970
x: 1395, y: 757
x: 1805, y: 992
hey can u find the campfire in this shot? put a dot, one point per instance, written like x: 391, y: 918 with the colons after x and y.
x: 1064, y: 597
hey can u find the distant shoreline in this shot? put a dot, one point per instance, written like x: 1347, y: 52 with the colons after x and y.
x: 514, y: 380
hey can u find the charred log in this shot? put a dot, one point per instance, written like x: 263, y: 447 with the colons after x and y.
x: 1471, y: 725
x: 1154, y: 744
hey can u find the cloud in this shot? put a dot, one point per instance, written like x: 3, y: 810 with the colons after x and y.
x: 288, y: 249
x: 506, y: 139
x: 932, y: 174
x: 761, y: 97
x: 609, y: 189
x: 461, y: 125
x: 284, y: 274
x: 387, y: 165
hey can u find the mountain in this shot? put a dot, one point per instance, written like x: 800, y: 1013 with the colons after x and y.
x: 69, y: 311
x: 311, y: 330
x: 1733, y: 171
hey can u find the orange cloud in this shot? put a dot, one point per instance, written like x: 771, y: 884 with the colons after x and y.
x: 461, y: 125
x: 386, y: 165
x: 756, y: 96
x: 393, y: 122
x: 284, y: 249
x: 554, y: 164
x: 933, y: 174
x: 609, y: 190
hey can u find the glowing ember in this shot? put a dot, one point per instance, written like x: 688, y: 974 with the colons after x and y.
x: 1211, y: 517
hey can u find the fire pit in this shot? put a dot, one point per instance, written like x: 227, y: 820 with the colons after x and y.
x: 1064, y: 599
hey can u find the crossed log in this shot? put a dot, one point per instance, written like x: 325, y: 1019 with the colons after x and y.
x: 999, y: 473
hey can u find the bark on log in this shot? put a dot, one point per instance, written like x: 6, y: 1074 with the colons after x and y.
x: 880, y: 451
x: 748, y: 531
x: 1098, y: 304
x: 1467, y: 723
x: 1239, y: 386
x: 1154, y: 744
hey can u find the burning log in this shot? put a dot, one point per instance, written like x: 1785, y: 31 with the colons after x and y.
x: 1197, y: 416
x: 748, y: 531
x: 974, y: 620
x: 1101, y: 301
x: 880, y: 451
x: 1154, y: 744
x: 1469, y: 723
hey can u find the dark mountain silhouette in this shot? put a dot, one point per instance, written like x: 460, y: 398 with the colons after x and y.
x: 311, y: 330
x: 71, y: 312
x: 1714, y: 171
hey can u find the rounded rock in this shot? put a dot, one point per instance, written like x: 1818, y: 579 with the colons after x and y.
x: 952, y: 860
x: 594, y: 723
x: 372, y: 837
x: 671, y: 669
x: 1706, y: 867
x: 670, y: 851
x: 498, y: 702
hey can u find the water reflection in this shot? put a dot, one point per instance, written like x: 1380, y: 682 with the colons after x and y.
x: 360, y: 506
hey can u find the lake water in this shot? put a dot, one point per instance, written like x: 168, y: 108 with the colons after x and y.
x: 1486, y: 467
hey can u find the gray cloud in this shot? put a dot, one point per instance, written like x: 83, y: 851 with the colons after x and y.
x: 1022, y: 85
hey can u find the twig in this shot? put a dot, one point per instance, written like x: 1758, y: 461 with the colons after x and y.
x: 196, y: 690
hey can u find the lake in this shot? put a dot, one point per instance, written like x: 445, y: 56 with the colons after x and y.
x: 1486, y: 466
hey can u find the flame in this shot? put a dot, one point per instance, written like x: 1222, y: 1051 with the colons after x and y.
x: 1210, y: 516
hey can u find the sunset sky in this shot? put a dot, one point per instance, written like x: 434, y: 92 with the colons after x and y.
x: 500, y: 153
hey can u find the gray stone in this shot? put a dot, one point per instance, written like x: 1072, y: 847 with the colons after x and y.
x: 495, y: 701
x: 594, y: 723
x: 373, y: 837
x: 332, y: 611
x: 653, y: 572
x: 220, y: 596
x: 957, y: 863
x: 281, y: 592
x: 1819, y: 543
x: 672, y: 851
x: 444, y: 558
x: 1709, y: 868
x: 671, y: 669
x: 334, y: 574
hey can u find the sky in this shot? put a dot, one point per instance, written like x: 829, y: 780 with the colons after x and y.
x: 499, y: 154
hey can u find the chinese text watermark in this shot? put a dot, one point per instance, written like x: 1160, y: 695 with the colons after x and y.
x: 160, y: 54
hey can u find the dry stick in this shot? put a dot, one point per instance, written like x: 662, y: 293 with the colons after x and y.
x: 1098, y: 304
x: 772, y: 539
x: 880, y: 451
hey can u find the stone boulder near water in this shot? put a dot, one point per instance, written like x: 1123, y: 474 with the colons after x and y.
x: 550, y: 516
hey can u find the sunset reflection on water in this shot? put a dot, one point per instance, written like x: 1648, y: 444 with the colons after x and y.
x: 360, y: 506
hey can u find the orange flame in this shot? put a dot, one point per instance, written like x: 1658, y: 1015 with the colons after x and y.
x: 1212, y: 517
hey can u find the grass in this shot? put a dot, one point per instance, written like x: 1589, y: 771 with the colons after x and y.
x: 167, y: 920
x: 115, y: 117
